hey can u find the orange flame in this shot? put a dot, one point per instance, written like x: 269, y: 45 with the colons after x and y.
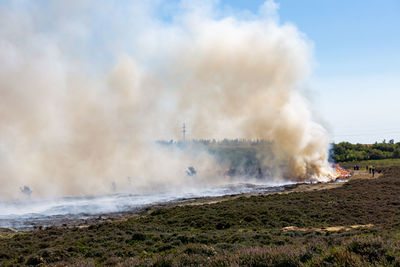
x: 226, y: 173
x: 341, y: 173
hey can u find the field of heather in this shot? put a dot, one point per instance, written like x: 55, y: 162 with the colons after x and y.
x: 357, y: 223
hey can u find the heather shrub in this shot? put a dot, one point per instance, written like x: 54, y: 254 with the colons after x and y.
x: 371, y: 249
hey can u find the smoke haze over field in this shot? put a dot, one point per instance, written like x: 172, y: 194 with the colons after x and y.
x: 80, y: 108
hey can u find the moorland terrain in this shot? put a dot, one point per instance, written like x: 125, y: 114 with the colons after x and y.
x: 356, y: 224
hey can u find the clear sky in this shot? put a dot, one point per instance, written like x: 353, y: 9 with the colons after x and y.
x: 355, y: 88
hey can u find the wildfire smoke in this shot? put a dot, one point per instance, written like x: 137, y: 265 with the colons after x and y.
x: 76, y: 116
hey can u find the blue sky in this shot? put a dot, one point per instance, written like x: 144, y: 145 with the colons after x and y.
x: 355, y: 87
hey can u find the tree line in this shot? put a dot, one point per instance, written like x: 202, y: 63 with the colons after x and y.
x: 346, y: 151
x: 340, y: 152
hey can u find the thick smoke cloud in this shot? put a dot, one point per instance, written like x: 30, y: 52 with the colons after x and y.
x: 87, y: 87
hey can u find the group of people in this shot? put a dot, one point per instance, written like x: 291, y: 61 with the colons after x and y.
x: 370, y: 169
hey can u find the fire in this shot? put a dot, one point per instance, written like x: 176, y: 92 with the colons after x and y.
x: 226, y: 173
x: 340, y: 172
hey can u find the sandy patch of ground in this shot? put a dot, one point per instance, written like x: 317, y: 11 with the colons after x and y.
x: 363, y: 174
x: 327, y: 229
x: 312, y: 187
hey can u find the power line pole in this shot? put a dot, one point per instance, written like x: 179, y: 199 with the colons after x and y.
x: 184, y: 132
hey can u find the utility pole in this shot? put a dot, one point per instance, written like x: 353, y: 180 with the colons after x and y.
x: 184, y: 132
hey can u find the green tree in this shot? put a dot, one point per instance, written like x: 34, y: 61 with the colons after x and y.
x: 376, y: 154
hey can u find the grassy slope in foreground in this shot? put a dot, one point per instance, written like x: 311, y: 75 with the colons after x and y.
x: 242, y: 231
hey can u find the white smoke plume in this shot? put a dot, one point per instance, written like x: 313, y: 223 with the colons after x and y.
x: 86, y: 87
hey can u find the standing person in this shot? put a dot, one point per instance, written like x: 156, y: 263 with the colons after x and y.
x: 370, y: 169
x: 366, y: 167
x: 373, y: 171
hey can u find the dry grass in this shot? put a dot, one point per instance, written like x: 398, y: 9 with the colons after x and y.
x: 327, y: 229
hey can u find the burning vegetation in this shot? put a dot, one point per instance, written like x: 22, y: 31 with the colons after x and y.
x: 341, y: 173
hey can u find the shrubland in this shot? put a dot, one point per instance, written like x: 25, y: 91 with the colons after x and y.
x: 246, y: 230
